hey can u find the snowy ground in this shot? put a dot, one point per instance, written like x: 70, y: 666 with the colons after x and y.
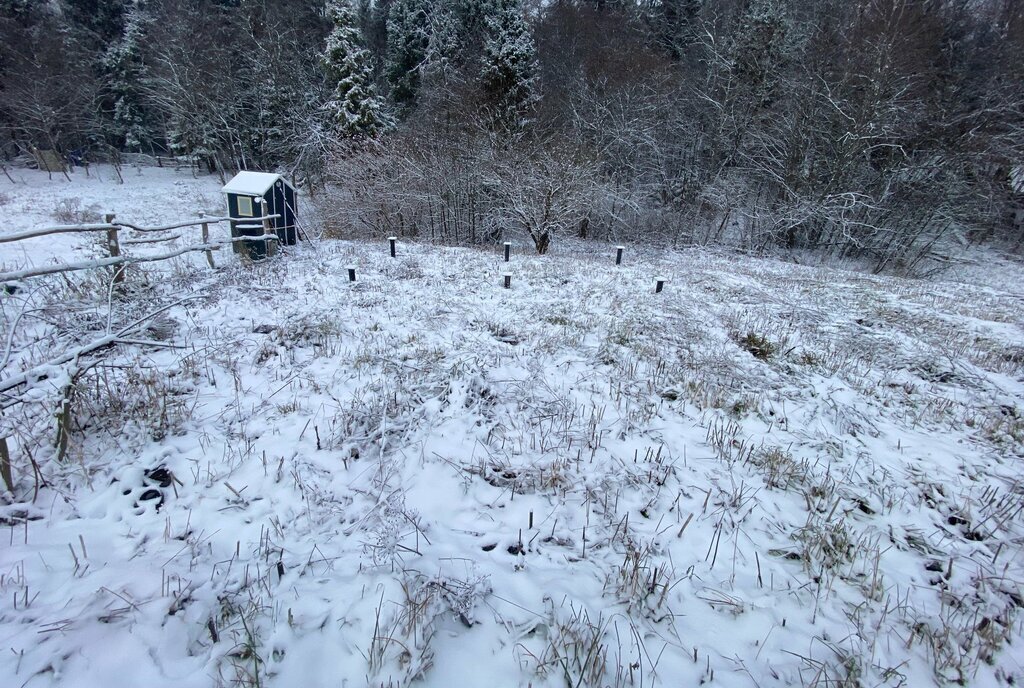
x: 766, y: 475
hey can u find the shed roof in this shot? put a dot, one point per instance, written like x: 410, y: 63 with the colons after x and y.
x: 254, y: 183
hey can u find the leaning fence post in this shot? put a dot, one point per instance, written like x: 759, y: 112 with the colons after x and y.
x: 114, y: 247
x: 5, y: 464
x: 206, y: 239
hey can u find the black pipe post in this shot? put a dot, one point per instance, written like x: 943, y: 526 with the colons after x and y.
x: 659, y: 285
x: 508, y: 250
x: 508, y: 280
x: 392, y: 241
x: 618, y: 254
x: 351, y: 273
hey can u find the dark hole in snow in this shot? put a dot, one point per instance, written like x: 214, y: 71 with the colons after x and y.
x: 865, y: 508
x: 955, y: 520
x: 263, y: 329
x: 152, y: 496
x: 159, y: 475
x: 488, y: 548
x: 17, y: 517
x: 933, y: 566
x: 516, y: 548
x: 974, y: 536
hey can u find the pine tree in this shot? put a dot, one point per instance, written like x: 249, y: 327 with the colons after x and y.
x: 408, y: 42
x: 674, y: 23
x: 760, y: 47
x: 125, y: 73
x: 509, y: 73
x: 355, y: 108
x: 442, y: 53
x: 472, y: 16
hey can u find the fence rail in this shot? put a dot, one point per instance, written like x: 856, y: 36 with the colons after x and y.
x: 114, y: 243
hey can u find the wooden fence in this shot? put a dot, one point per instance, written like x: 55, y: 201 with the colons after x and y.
x: 114, y: 244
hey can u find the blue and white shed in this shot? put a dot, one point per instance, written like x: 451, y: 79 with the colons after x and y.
x: 256, y: 194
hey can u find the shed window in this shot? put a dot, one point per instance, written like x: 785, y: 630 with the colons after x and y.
x: 245, y: 206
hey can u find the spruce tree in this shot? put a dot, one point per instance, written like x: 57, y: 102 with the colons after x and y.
x: 674, y: 23
x: 509, y: 73
x: 355, y: 108
x: 442, y: 54
x: 760, y: 47
x: 408, y: 42
x: 125, y: 73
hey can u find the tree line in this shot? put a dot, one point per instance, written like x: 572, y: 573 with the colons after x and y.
x: 888, y: 131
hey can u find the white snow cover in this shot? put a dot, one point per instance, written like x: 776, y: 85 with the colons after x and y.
x: 767, y: 475
x: 255, y: 183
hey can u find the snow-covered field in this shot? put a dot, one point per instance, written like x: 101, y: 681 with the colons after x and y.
x: 767, y: 474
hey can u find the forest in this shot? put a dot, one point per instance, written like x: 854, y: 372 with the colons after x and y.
x: 888, y: 132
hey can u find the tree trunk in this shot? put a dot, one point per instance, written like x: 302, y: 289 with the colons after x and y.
x: 542, y: 240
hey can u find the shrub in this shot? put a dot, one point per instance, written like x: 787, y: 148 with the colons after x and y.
x: 70, y: 211
x: 758, y: 346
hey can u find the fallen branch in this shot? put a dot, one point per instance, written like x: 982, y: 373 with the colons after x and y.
x: 45, y: 369
x: 193, y: 223
x: 104, y: 226
x: 60, y: 229
x: 125, y: 260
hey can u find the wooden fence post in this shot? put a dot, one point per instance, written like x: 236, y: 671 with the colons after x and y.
x: 268, y: 231
x: 114, y: 247
x: 206, y: 240
x: 5, y: 464
x: 64, y: 416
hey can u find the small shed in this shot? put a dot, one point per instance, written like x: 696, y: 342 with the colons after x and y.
x: 256, y: 194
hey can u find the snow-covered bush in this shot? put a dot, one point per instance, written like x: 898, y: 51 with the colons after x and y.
x: 70, y: 211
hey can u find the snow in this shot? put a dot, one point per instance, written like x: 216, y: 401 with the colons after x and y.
x: 149, y: 196
x: 358, y: 465
x: 255, y: 183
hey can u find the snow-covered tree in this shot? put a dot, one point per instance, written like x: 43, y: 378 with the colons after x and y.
x: 760, y: 46
x: 442, y: 54
x: 674, y: 23
x: 125, y: 74
x: 355, y: 108
x: 408, y: 30
x: 509, y: 73
x: 472, y: 17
